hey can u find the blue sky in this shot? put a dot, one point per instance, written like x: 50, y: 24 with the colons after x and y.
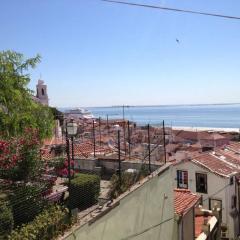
x: 100, y: 54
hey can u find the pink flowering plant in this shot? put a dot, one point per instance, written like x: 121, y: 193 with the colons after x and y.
x: 63, y: 171
x: 19, y: 156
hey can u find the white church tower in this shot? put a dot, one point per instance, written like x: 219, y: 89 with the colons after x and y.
x: 42, y: 92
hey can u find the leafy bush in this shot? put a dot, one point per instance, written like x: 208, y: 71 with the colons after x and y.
x: 6, y: 220
x: 117, y: 188
x: 84, y: 191
x: 47, y: 225
x: 57, y: 163
x: 19, y: 157
x: 144, y: 171
x: 26, y: 202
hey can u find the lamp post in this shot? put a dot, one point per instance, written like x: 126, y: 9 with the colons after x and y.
x: 71, y: 131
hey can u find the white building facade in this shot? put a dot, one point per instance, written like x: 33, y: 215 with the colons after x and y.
x: 217, y: 183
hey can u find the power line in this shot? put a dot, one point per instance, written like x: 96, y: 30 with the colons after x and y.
x: 220, y: 190
x: 173, y: 9
x: 147, y: 229
x: 167, y: 220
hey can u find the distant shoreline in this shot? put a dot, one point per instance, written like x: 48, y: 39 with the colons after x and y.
x: 199, y: 129
x: 166, y: 105
x: 204, y: 117
x: 163, y: 105
x: 192, y: 129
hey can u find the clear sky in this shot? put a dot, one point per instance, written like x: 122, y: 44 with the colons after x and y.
x: 100, y: 54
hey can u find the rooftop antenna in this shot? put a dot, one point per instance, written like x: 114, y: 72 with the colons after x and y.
x: 164, y: 142
x: 123, y: 112
x: 149, y: 149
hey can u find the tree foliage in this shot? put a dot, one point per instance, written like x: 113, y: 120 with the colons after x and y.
x: 27, y: 202
x: 6, y: 220
x: 58, y: 115
x: 47, y: 225
x: 20, y: 157
x: 117, y: 188
x: 17, y: 108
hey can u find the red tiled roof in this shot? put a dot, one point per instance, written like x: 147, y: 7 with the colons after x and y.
x: 230, y: 156
x: 184, y: 200
x: 195, y: 136
x: 234, y: 146
x: 190, y: 135
x: 210, y: 136
x: 86, y: 149
x: 82, y: 150
x: 214, y: 164
x: 199, y: 221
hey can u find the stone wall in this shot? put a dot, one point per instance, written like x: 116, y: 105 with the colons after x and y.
x: 108, y: 165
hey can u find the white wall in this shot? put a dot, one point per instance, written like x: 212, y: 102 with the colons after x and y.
x: 90, y: 164
x: 218, y: 188
x: 140, y: 213
x: 188, y: 225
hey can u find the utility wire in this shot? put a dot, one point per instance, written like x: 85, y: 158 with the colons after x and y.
x: 147, y: 229
x: 174, y: 9
x: 167, y: 220
x: 220, y: 190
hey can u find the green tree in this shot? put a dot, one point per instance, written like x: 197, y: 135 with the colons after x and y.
x: 17, y: 109
x: 58, y: 115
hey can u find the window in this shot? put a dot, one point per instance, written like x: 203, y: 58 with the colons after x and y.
x: 231, y: 180
x: 42, y: 91
x: 201, y: 182
x: 182, y: 179
x: 215, y: 202
x: 234, y: 201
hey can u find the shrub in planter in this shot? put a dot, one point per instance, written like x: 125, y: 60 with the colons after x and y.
x: 84, y: 191
x: 6, y: 220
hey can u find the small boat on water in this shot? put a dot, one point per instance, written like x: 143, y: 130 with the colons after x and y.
x: 78, y: 113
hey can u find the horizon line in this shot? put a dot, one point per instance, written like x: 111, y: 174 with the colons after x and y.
x: 156, y: 105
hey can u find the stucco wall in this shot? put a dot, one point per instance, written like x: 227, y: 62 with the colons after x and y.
x: 147, y: 213
x: 109, y: 165
x: 188, y: 225
x: 218, y: 188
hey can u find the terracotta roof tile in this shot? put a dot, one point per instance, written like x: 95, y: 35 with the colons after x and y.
x: 189, y: 135
x: 229, y: 156
x: 184, y: 200
x: 199, y: 221
x: 215, y: 164
x: 234, y: 146
x: 210, y: 136
x: 81, y: 150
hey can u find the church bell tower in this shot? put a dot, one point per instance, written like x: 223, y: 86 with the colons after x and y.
x: 42, y: 92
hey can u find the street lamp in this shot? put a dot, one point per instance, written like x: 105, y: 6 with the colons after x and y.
x: 72, y: 128
x: 71, y: 131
